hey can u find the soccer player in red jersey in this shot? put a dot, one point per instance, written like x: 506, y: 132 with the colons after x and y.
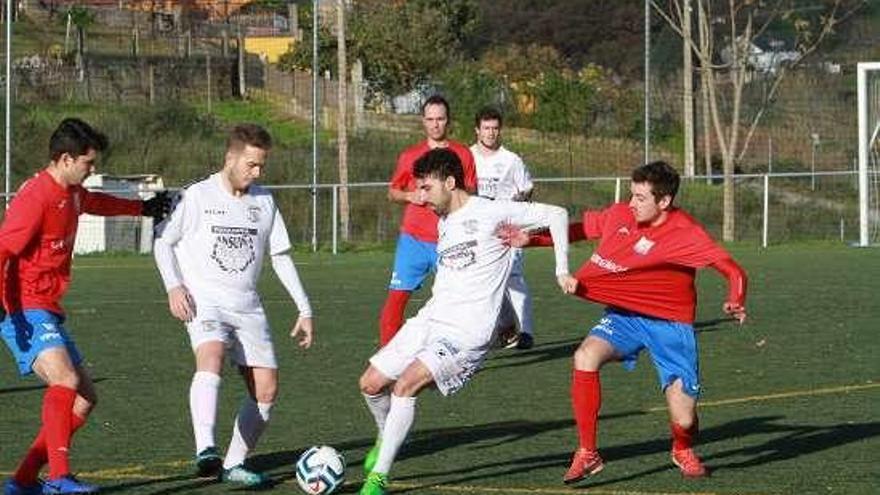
x: 643, y: 269
x: 36, y: 246
x: 416, y: 252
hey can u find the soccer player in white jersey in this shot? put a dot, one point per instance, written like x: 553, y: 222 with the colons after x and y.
x: 501, y: 174
x: 209, y: 253
x: 447, y: 341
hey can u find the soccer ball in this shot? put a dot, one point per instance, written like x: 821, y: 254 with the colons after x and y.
x: 320, y: 470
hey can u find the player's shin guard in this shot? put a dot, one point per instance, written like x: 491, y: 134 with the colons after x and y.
x: 586, y: 400
x: 58, y: 427
x: 249, y: 425
x: 684, y: 438
x: 391, y: 318
x: 37, y: 455
x: 203, y: 392
x: 397, y: 426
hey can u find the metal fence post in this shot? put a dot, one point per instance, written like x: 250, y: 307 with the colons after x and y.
x: 617, y: 190
x: 335, y: 216
x: 766, y: 210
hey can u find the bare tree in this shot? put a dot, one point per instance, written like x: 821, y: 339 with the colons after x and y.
x: 724, y: 79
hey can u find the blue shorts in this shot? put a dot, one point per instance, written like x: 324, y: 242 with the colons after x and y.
x: 413, y: 261
x: 28, y: 333
x: 672, y: 345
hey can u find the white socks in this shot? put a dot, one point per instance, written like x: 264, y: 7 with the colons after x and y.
x: 249, y: 425
x: 379, y: 406
x: 397, y: 424
x: 203, y: 407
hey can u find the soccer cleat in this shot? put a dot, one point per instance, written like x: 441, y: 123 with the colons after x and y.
x: 208, y: 462
x: 690, y: 465
x: 525, y: 341
x: 67, y: 484
x: 12, y: 487
x: 371, y: 457
x: 375, y: 484
x: 584, y: 463
x: 243, y: 476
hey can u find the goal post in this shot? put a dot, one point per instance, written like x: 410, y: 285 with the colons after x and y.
x: 868, y: 82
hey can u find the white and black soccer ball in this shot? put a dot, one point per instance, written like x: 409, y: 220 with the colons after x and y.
x: 320, y: 470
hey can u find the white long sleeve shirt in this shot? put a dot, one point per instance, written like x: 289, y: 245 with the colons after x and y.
x: 213, y: 243
x: 473, y: 264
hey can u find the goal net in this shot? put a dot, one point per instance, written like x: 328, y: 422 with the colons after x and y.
x: 869, y: 153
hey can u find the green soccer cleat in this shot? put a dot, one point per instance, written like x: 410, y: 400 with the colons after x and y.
x: 371, y: 457
x: 375, y: 484
x: 208, y: 462
x: 243, y: 476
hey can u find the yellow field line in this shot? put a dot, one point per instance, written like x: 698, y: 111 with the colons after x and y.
x: 543, y: 491
x: 781, y: 395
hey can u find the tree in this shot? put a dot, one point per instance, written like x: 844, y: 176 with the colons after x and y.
x: 403, y: 43
x: 741, y: 23
x: 608, y: 33
x: 299, y: 57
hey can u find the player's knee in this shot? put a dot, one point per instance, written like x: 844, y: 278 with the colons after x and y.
x: 369, y: 385
x: 266, y: 394
x: 586, y: 359
x: 64, y: 378
x: 403, y: 388
x: 83, y: 405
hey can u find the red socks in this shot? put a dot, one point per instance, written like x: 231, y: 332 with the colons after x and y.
x: 36, y: 457
x: 58, y: 427
x: 684, y: 438
x: 391, y: 318
x: 586, y: 399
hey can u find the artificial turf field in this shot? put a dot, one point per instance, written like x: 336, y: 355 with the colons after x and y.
x: 790, y: 403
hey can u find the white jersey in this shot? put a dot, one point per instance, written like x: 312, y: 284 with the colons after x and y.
x: 473, y: 264
x: 219, y: 241
x: 501, y: 175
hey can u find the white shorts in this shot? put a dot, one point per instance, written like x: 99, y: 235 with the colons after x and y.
x: 451, y: 364
x: 247, y: 336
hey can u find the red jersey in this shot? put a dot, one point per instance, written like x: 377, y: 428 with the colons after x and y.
x: 38, y: 234
x: 648, y: 270
x: 421, y: 221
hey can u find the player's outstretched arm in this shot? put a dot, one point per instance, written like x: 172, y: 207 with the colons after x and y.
x: 158, y: 207
x: 737, y: 283
x: 404, y: 197
x: 567, y: 283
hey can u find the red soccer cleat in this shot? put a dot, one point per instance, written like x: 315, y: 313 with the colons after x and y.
x: 584, y: 463
x: 690, y: 465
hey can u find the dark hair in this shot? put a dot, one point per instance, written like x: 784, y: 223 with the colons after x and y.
x: 248, y: 134
x: 440, y: 163
x: 488, y: 113
x: 437, y: 100
x: 663, y: 178
x: 75, y: 137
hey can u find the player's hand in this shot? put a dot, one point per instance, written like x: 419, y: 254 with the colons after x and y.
x: 415, y: 197
x: 181, y: 304
x: 567, y: 283
x: 157, y: 207
x: 511, y: 235
x: 735, y: 310
x: 302, y: 331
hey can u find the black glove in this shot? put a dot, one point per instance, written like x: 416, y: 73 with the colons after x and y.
x: 158, y: 207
